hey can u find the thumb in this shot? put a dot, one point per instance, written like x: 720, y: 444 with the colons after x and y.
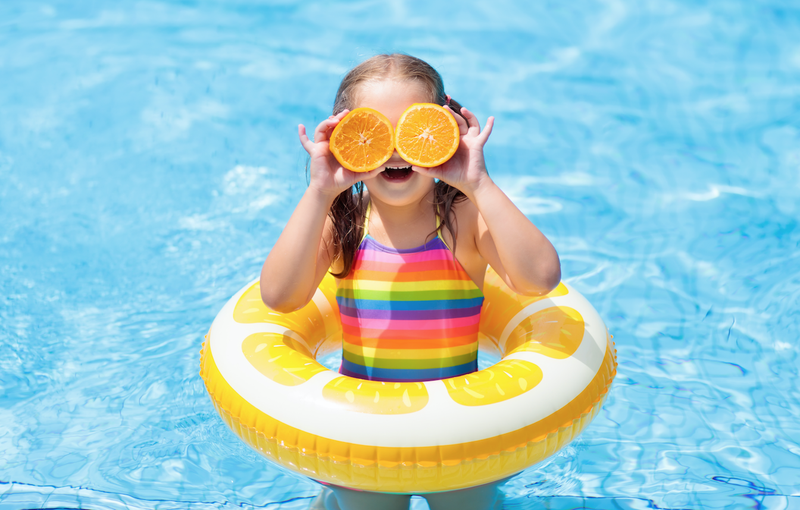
x: 434, y: 172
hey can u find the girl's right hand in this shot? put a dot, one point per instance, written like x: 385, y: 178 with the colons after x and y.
x: 327, y: 175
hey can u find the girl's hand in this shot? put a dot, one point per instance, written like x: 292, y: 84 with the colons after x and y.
x: 466, y: 170
x: 327, y: 175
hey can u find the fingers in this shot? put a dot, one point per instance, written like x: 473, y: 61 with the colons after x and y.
x: 365, y: 176
x: 307, y: 144
x: 486, y: 131
x: 462, y: 124
x: 472, y: 121
x: 475, y: 127
x: 435, y: 172
x: 324, y: 129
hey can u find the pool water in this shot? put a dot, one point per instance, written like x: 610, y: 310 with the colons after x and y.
x: 149, y: 160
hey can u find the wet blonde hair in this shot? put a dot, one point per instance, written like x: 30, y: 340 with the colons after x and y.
x: 347, y: 211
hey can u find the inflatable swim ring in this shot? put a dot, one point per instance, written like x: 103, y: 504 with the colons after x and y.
x: 557, y: 365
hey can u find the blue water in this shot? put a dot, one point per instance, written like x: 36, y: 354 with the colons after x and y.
x: 148, y: 162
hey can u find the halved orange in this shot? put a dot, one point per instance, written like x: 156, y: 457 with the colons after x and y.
x: 363, y: 140
x: 426, y: 135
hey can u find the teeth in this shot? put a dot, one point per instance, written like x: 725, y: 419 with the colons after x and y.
x: 398, y: 168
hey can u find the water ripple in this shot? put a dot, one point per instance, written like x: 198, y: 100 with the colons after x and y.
x: 148, y: 162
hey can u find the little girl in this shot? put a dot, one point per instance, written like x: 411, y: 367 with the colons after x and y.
x: 421, y: 237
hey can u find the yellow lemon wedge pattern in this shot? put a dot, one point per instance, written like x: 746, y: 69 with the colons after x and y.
x: 280, y: 358
x: 503, y: 381
x: 250, y: 309
x: 375, y: 397
x: 556, y: 332
x: 500, y: 306
x: 309, y: 322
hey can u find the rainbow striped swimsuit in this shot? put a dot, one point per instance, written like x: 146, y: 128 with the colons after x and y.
x: 408, y: 315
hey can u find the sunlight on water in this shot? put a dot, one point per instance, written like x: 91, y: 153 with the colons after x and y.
x: 148, y: 162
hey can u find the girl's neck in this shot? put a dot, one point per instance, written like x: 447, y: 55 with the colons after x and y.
x: 402, y: 227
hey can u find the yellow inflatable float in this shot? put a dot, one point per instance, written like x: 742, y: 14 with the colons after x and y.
x: 260, y: 369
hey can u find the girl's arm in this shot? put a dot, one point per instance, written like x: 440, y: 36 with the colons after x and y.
x: 302, y: 255
x: 518, y: 251
x: 505, y: 238
x: 297, y: 263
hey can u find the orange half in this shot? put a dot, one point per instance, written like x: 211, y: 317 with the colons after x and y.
x: 426, y: 135
x: 363, y: 140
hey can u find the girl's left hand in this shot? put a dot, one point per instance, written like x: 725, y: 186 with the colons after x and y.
x: 466, y: 170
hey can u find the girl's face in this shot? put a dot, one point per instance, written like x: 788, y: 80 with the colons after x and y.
x: 397, y: 184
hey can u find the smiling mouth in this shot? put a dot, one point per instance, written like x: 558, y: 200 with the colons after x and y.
x: 396, y: 174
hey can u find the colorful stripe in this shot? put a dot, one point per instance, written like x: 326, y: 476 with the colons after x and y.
x: 394, y: 375
x: 408, y: 315
x: 439, y: 304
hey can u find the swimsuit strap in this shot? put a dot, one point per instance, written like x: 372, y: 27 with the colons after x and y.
x: 439, y: 232
x: 366, y: 222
